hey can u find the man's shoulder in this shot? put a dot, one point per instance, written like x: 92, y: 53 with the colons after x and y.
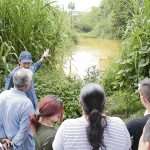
x: 26, y: 104
x: 148, y: 122
x: 14, y: 70
x: 4, y: 93
x: 138, y: 123
x: 25, y: 99
x: 20, y: 96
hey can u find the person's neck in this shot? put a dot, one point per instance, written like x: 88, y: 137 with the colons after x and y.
x: 148, y: 111
x: 45, y: 123
x: 19, y: 89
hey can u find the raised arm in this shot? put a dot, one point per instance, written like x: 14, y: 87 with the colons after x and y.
x: 36, y: 66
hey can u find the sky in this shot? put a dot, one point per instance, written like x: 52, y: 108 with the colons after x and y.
x: 80, y: 5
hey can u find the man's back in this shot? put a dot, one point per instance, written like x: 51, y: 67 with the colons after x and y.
x: 31, y: 92
x: 14, y: 115
x: 135, y: 128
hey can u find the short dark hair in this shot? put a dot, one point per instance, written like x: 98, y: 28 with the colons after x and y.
x: 144, y: 87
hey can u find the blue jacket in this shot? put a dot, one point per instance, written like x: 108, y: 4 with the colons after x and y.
x: 31, y: 93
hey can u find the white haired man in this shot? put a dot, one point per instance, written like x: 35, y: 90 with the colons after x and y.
x: 15, y: 110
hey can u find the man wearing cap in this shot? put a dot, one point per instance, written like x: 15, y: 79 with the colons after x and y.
x: 25, y: 61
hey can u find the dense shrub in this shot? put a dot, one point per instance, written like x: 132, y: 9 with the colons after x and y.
x: 108, y: 20
x: 135, y: 61
x: 66, y: 88
x: 33, y: 25
x: 123, y: 103
x: 121, y: 81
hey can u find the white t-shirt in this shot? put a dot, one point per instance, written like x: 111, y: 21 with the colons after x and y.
x: 71, y: 135
x: 1, y: 146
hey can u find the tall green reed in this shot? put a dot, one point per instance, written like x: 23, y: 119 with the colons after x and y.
x: 32, y: 25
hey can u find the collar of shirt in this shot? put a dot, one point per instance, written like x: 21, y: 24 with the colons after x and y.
x: 17, y: 91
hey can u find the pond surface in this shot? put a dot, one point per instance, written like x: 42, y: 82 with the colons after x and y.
x: 91, y: 52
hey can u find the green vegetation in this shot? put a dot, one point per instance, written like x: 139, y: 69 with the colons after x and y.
x: 109, y: 20
x: 130, y: 22
x: 134, y: 64
x: 66, y: 88
x: 126, y: 20
x: 135, y: 61
x: 33, y: 25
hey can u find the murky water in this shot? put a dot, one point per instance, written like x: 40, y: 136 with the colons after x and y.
x: 92, y: 52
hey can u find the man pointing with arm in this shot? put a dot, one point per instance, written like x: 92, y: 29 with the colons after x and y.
x: 25, y: 61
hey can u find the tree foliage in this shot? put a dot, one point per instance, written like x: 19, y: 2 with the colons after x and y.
x: 32, y: 25
x: 134, y: 64
x: 109, y: 20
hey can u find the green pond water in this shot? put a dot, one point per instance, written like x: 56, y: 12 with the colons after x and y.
x: 92, y: 52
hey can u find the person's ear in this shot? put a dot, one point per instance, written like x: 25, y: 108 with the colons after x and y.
x: 145, y: 100
x: 81, y: 103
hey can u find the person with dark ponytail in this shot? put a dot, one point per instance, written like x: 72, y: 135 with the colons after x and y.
x: 94, y: 130
x: 42, y: 122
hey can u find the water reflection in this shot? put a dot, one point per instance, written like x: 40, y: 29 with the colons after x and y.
x: 91, y: 52
x: 82, y: 59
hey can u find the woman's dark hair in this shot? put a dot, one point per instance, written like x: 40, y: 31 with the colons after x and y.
x: 92, y: 98
x: 48, y: 106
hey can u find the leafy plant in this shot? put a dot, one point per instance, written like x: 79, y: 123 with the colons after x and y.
x: 6, y: 52
x: 123, y: 104
x: 135, y: 61
x: 33, y: 25
x: 66, y: 88
x: 134, y: 65
x: 108, y: 20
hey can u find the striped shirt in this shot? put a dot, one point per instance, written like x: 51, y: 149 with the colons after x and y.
x: 71, y: 135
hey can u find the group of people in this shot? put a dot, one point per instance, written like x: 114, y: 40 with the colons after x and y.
x: 26, y: 124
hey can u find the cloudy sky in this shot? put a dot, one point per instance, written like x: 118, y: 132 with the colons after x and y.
x: 80, y: 5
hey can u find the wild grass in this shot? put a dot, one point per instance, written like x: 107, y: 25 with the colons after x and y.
x: 32, y: 25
